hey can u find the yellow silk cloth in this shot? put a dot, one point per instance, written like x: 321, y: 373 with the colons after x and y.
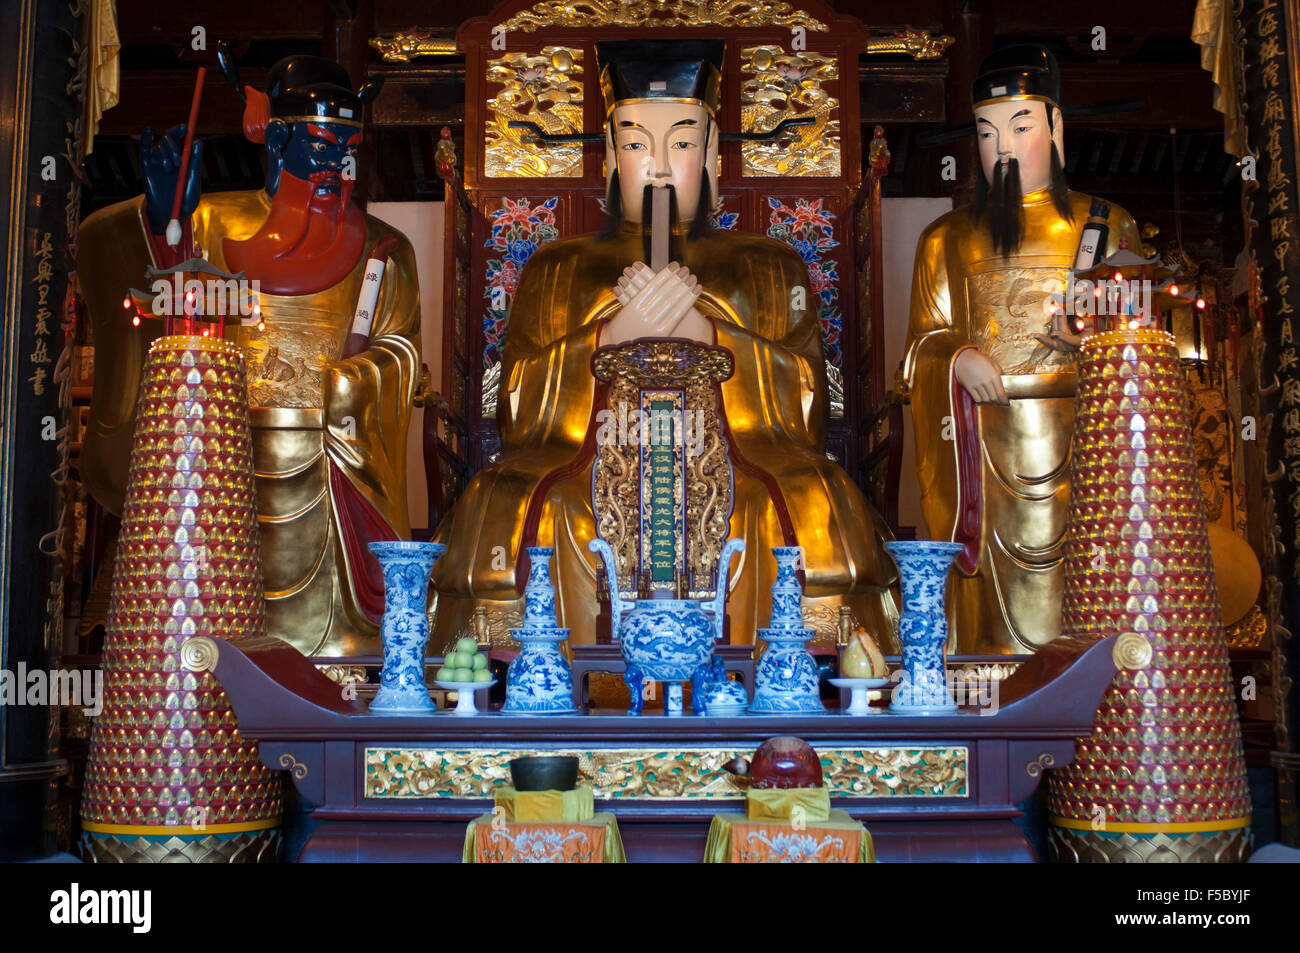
x: 490, y: 839
x: 575, y: 805
x: 775, y: 804
x: 733, y: 839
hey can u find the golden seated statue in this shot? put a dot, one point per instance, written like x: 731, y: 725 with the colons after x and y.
x: 733, y: 290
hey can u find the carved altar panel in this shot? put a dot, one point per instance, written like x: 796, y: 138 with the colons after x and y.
x: 639, y: 465
x: 662, y: 774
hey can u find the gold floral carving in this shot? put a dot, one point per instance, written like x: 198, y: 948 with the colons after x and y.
x: 542, y: 88
x: 661, y: 13
x: 660, y: 774
x: 789, y: 86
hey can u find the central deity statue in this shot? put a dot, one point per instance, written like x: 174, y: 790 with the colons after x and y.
x: 748, y: 294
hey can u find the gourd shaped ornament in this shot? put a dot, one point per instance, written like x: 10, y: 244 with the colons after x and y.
x: 665, y: 640
x: 785, y: 678
x: 539, y: 681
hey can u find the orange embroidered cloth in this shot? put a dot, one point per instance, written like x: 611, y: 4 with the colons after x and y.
x: 734, y: 839
x: 491, y: 839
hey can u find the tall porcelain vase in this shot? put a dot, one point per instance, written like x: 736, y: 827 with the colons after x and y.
x: 785, y: 678
x: 539, y: 681
x: 923, y: 567
x: 405, y: 629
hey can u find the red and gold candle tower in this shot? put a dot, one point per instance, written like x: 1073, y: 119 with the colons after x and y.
x: 1162, y: 776
x: 169, y: 777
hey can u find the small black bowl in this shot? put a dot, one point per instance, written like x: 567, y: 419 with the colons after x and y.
x: 556, y: 773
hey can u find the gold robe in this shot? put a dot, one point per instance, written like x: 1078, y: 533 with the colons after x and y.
x: 329, y: 435
x: 997, y: 478
x: 776, y: 405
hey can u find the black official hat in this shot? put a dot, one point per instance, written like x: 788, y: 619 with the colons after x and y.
x: 312, y: 87
x: 1024, y: 71
x: 687, y: 71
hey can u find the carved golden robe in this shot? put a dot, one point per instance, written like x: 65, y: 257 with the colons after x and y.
x: 997, y: 478
x: 329, y: 435
x: 777, y: 409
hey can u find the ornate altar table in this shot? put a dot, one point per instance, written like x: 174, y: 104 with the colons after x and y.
x: 929, y: 788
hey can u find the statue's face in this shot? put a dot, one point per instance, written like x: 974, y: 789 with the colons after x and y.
x: 1017, y: 129
x: 317, y: 152
x: 660, y: 144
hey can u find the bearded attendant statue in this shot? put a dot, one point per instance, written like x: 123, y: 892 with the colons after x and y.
x: 329, y: 422
x: 990, y: 361
x: 721, y: 288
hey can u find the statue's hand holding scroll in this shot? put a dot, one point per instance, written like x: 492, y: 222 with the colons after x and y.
x: 981, y: 377
x: 653, y: 306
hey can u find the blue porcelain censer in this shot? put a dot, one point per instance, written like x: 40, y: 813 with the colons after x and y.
x: 405, y: 627
x: 785, y: 678
x: 539, y: 681
x: 923, y: 626
x: 665, y: 640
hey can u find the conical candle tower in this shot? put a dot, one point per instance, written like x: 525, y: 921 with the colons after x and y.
x: 1162, y: 777
x: 169, y: 777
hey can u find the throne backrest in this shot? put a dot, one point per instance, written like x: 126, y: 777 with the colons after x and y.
x: 662, y: 485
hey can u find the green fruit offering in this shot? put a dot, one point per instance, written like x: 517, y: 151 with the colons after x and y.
x: 464, y: 675
x: 444, y: 675
x: 480, y: 663
x: 456, y: 660
x: 466, y: 645
x: 482, y: 675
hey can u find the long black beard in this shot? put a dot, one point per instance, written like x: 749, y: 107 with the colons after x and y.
x: 700, y: 225
x: 1005, y: 203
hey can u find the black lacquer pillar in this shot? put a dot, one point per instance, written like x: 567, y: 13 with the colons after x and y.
x: 1269, y: 54
x: 41, y: 58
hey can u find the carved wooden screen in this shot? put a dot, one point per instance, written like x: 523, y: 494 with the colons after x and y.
x: 535, y: 61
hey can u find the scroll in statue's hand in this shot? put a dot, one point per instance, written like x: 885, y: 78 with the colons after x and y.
x: 654, y: 307
x: 981, y: 377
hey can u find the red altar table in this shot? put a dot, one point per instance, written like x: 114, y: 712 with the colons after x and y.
x: 928, y: 788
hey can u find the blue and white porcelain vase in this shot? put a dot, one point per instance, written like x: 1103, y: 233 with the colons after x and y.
x: 405, y: 628
x: 785, y: 678
x: 539, y: 680
x: 923, y: 567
